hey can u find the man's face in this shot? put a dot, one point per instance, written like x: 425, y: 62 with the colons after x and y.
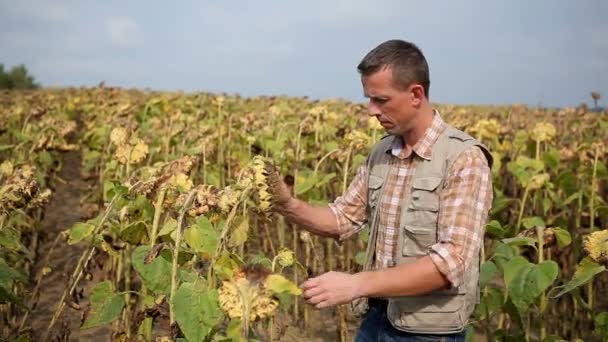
x: 393, y: 107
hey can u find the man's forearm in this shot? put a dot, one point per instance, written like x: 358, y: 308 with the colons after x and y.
x: 318, y: 220
x: 412, y: 279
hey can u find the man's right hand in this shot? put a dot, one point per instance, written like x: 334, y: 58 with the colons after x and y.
x: 282, y: 195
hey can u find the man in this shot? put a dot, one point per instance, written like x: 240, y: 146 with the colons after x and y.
x: 425, y: 191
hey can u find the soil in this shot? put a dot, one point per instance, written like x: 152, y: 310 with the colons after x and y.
x: 61, y: 213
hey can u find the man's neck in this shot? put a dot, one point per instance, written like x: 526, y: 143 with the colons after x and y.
x: 424, y: 120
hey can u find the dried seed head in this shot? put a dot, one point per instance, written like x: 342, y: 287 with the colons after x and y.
x: 180, y: 182
x: 486, y: 128
x: 266, y: 180
x: 543, y: 131
x: 228, y: 198
x: 286, y: 257
x: 133, y: 152
x: 357, y: 140
x: 118, y: 136
x: 537, y: 181
x: 246, y: 290
x: 181, y: 165
x: 6, y: 168
x: 21, y: 190
x: 596, y: 245
x: 205, y: 200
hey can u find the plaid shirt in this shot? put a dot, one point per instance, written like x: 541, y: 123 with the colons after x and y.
x: 465, y: 201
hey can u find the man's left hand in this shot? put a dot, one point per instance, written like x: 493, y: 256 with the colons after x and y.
x: 332, y: 288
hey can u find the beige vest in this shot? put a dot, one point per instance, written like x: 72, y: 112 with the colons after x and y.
x: 442, y: 311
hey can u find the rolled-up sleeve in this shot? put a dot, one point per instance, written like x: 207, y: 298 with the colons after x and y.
x: 465, y: 202
x: 350, y: 208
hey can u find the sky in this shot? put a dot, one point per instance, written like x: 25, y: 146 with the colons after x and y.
x: 543, y: 52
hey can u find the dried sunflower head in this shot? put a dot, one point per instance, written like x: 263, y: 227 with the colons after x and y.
x: 486, y: 128
x: 543, y: 131
x: 357, y: 140
x: 266, y: 180
x: 133, y: 152
x: 246, y: 292
x: 228, y: 198
x: 6, y: 168
x: 118, y: 136
x: 537, y: 181
x: 21, y: 189
x: 180, y: 182
x: 205, y: 200
x: 596, y: 245
x: 286, y: 257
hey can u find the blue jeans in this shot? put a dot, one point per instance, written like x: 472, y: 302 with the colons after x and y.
x: 377, y: 328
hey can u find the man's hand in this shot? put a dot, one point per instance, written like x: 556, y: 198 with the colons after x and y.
x: 331, y: 288
x: 282, y: 195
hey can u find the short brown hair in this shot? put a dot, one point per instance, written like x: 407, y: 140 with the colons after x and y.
x: 405, y: 60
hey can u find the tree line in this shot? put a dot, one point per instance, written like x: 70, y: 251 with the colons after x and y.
x: 17, y: 77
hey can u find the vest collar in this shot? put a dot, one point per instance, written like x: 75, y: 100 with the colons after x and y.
x: 424, y: 147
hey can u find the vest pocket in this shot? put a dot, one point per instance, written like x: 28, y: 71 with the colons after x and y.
x: 423, y: 206
x: 439, y: 314
x: 417, y: 240
x: 374, y: 185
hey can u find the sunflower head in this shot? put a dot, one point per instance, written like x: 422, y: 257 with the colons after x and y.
x: 543, y: 131
x: 265, y: 180
x: 596, y: 245
x: 245, y: 292
x: 286, y: 257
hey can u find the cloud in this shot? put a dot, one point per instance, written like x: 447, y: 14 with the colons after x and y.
x: 122, y: 31
x: 51, y: 11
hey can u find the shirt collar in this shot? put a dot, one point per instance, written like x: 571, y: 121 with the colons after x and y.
x: 424, y: 147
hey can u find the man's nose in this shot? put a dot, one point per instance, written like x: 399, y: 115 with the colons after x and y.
x: 372, y: 109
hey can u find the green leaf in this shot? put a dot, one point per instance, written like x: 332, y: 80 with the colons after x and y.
x: 526, y: 281
x: 261, y: 259
x: 490, y: 303
x: 551, y: 158
x: 9, y: 275
x: 304, y: 184
x: 113, y: 188
x: 585, y: 271
x: 168, y: 228
x: 495, y: 229
x: 520, y: 241
x: 155, y: 275
x: 11, y: 239
x: 240, y: 233
x: 486, y: 273
x: 500, y: 202
x: 502, y: 254
x: 106, y: 305
x: 80, y: 231
x: 134, y: 233
x: 326, y: 178
x: 533, y: 221
x: 226, y: 264
x: 562, y: 236
x: 279, y: 284
x: 197, y: 311
x: 202, y: 237
x: 601, y: 325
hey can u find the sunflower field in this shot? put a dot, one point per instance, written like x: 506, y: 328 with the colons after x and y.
x: 130, y: 215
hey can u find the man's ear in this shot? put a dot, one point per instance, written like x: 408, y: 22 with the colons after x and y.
x: 417, y: 95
